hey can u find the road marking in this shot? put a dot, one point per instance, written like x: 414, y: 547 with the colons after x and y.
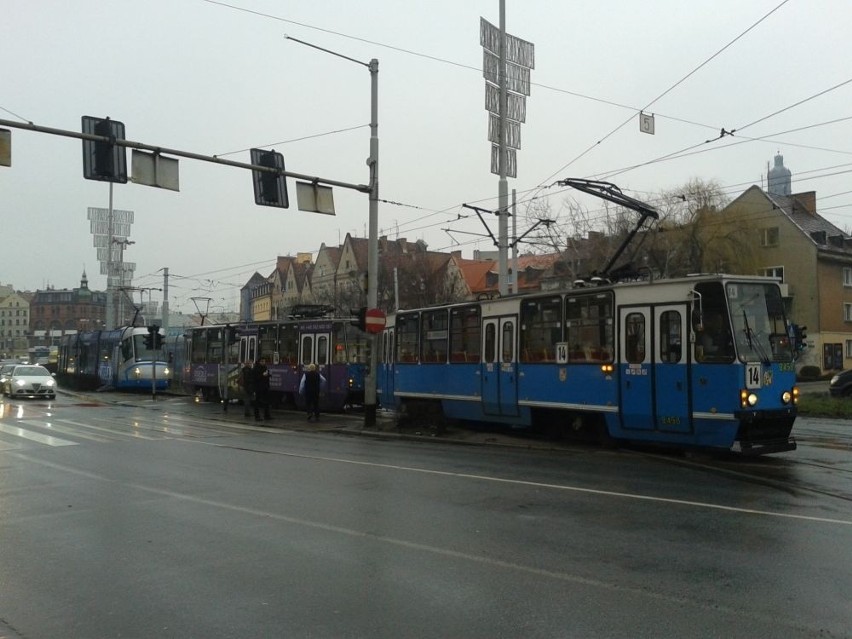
x: 564, y: 487
x: 640, y: 591
x: 36, y: 437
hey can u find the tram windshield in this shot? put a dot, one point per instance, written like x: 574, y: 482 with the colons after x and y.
x: 757, y: 317
x: 143, y: 354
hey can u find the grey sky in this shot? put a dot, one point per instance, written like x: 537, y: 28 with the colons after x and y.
x: 210, y: 78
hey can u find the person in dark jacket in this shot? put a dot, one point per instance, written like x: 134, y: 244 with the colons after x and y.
x: 309, y: 388
x: 247, y: 384
x: 260, y: 379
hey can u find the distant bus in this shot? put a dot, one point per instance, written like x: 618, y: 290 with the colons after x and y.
x: 39, y: 355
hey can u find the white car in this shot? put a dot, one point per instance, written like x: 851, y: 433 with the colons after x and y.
x: 28, y: 380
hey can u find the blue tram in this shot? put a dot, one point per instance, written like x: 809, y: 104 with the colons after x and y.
x: 636, y: 362
x: 212, y: 360
x: 116, y: 359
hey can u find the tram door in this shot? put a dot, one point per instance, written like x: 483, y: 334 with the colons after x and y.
x: 671, y: 387
x: 635, y: 369
x: 248, y: 348
x: 499, y: 366
x: 314, y: 348
x: 386, y: 379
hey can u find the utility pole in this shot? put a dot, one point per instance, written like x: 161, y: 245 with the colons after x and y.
x: 373, y: 233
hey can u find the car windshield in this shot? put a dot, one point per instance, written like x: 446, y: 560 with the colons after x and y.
x: 31, y: 371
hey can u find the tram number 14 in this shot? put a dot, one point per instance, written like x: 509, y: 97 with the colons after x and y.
x: 753, y: 376
x: 562, y: 352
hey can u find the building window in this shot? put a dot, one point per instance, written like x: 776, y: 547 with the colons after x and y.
x: 847, y: 276
x: 775, y: 271
x: 849, y: 348
x: 847, y: 312
x: 769, y: 237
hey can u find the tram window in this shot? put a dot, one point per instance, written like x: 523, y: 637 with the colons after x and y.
x: 541, y: 329
x: 490, y: 342
x: 508, y: 342
x: 288, y: 344
x: 199, y: 346
x: 214, y: 346
x: 350, y: 344
x: 407, y: 334
x: 267, y: 337
x: 434, y: 336
x: 465, y: 334
x: 671, y: 342
x: 588, y: 323
x: 322, y: 350
x: 307, y: 349
x: 634, y: 343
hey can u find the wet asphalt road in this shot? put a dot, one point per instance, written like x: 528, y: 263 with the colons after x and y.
x: 172, y: 520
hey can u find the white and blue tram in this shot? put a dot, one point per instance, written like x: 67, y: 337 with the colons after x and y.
x: 632, y: 362
x: 116, y: 359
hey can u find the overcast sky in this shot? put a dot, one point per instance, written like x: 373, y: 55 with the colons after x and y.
x: 217, y: 78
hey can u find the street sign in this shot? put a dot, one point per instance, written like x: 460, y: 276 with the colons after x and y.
x: 375, y: 320
x: 102, y: 215
x: 153, y: 169
x: 5, y: 147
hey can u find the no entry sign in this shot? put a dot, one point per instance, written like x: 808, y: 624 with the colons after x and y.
x: 374, y: 321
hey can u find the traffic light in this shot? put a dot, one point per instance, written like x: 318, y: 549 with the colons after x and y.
x: 359, y: 318
x: 104, y: 160
x: 151, y: 339
x: 799, y: 337
x: 158, y: 341
x: 270, y: 189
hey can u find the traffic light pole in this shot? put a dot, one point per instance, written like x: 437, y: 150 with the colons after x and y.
x: 373, y: 236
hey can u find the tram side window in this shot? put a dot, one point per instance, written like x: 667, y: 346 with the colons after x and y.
x: 465, y: 334
x: 508, y: 342
x: 214, y: 346
x: 490, y: 343
x: 350, y: 344
x: 634, y: 345
x: 322, y: 350
x: 541, y: 321
x: 307, y: 349
x: 288, y: 345
x: 589, y: 328
x: 199, y: 347
x: 434, y: 336
x: 407, y: 333
x: 267, y: 341
x: 671, y: 342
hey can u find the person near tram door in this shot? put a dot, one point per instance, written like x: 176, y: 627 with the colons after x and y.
x: 309, y: 388
x: 260, y: 378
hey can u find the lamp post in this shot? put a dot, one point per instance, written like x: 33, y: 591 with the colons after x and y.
x: 373, y: 237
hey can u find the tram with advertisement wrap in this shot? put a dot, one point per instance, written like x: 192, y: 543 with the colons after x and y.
x: 214, y: 355
x: 117, y: 359
x: 628, y: 362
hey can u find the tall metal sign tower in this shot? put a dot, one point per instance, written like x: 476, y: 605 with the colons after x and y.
x: 506, y: 64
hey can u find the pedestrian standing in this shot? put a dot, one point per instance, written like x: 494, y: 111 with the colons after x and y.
x: 309, y: 388
x: 260, y: 379
x: 247, y: 384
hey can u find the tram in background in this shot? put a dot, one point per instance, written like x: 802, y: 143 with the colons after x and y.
x: 115, y: 359
x: 211, y: 356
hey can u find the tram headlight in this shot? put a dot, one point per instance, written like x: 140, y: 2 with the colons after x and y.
x: 607, y: 369
x: 137, y: 372
x: 747, y: 399
x: 786, y: 397
x: 166, y: 371
x: 795, y: 394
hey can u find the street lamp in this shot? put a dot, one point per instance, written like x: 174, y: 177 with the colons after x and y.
x: 373, y: 237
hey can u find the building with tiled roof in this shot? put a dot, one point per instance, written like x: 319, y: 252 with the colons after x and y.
x: 812, y: 258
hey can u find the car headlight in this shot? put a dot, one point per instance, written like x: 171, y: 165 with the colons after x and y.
x: 20, y: 382
x: 834, y: 380
x: 50, y: 382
